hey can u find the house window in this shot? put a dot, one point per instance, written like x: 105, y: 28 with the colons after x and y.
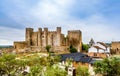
x: 95, y: 54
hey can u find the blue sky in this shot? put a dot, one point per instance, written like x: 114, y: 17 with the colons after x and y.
x: 97, y: 19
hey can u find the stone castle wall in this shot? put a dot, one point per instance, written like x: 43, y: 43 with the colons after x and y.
x: 20, y: 46
x: 37, y: 41
x: 115, y: 48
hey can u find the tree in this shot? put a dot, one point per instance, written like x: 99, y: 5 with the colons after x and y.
x: 48, y: 48
x: 82, y: 71
x: 55, y: 71
x: 85, y: 47
x: 8, y: 64
x: 39, y: 66
x: 72, y: 49
x: 108, y: 67
x: 36, y: 70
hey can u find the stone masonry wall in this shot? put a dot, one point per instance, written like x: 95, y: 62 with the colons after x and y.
x: 115, y: 48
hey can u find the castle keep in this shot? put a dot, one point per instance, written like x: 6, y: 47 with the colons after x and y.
x: 37, y: 41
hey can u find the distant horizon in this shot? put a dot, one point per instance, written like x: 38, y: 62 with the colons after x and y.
x: 6, y: 45
x: 97, y: 19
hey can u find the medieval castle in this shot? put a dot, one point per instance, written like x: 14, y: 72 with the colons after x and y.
x: 37, y: 41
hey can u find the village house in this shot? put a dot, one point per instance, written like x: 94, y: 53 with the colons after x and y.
x: 98, y: 50
x: 76, y: 59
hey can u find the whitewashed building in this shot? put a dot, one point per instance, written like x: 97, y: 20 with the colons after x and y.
x: 99, y: 47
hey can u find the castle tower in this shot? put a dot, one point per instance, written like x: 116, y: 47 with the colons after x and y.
x: 59, y: 30
x: 29, y: 32
x: 39, y: 36
x: 58, y: 36
x: 45, y: 37
x: 75, y: 39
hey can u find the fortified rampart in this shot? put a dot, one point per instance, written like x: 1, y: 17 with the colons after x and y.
x: 37, y: 41
x: 115, y: 47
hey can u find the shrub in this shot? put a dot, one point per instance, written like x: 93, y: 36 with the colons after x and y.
x: 72, y: 49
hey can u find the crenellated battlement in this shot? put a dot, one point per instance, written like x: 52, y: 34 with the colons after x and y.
x: 52, y: 31
x: 29, y: 29
x: 74, y: 31
x: 58, y: 29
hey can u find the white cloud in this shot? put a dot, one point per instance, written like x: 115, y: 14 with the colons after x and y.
x: 53, y: 13
x: 11, y: 34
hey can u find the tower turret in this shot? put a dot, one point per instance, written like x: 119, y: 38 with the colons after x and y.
x: 58, y: 29
x: 39, y: 36
x: 29, y: 36
x: 45, y: 41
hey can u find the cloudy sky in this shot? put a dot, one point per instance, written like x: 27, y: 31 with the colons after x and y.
x: 97, y: 19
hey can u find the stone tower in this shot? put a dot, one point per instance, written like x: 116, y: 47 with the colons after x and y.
x: 58, y: 36
x: 28, y: 37
x: 44, y: 37
x: 75, y: 39
x: 39, y: 37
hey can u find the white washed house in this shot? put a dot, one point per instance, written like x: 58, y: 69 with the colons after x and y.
x: 99, y: 47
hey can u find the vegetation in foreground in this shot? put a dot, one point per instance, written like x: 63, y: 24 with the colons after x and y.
x: 108, y: 67
x: 82, y: 71
x: 11, y: 65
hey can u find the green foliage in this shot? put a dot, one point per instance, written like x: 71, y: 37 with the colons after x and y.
x: 85, y: 47
x: 36, y: 70
x: 72, y: 49
x: 56, y: 59
x: 48, y: 48
x: 10, y: 65
x: 108, y: 67
x: 55, y: 71
x: 82, y: 71
x: 69, y: 62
